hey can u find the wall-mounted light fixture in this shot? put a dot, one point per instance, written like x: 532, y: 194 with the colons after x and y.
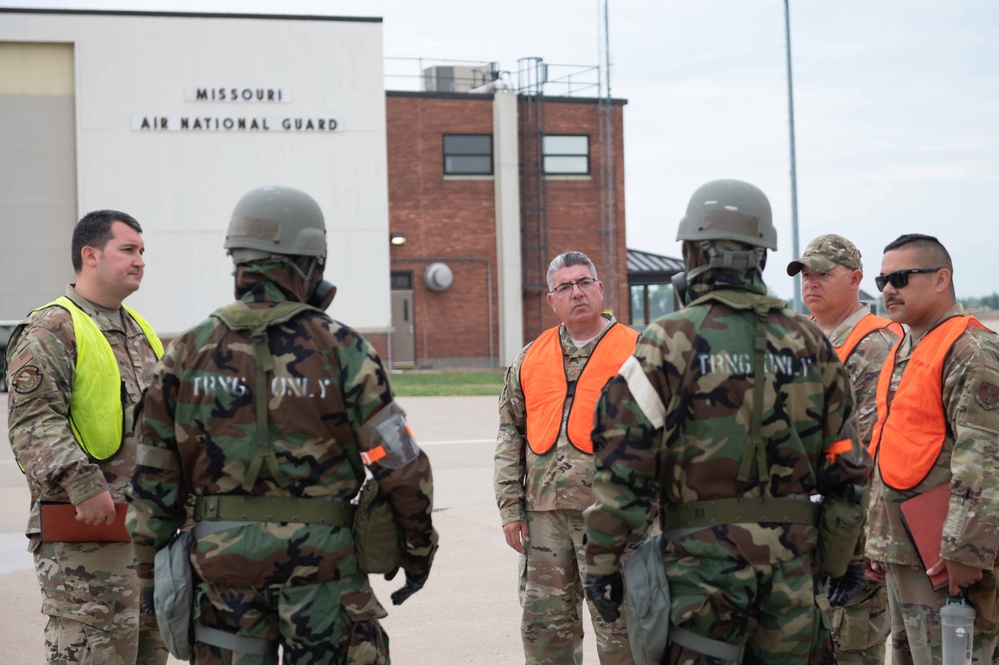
x: 397, y: 238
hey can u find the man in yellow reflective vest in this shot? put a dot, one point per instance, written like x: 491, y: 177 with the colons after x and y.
x: 544, y: 462
x: 831, y: 273
x: 938, y: 425
x: 77, y: 368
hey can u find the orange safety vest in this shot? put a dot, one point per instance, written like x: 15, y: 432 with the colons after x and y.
x: 914, y: 426
x: 865, y: 327
x: 546, y: 388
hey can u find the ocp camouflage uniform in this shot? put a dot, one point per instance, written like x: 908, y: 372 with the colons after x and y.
x: 287, y: 581
x: 968, y: 463
x: 675, y: 422
x: 89, y: 590
x: 550, y: 492
x: 860, y: 628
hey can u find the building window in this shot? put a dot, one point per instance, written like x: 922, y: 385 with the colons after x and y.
x: 649, y: 302
x: 402, y: 281
x: 468, y: 154
x: 566, y: 155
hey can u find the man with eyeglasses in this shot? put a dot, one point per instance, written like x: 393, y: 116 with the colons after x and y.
x: 938, y: 424
x: 831, y: 273
x: 544, y: 463
x: 731, y: 413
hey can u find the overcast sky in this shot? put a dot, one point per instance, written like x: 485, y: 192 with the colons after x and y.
x: 896, y: 105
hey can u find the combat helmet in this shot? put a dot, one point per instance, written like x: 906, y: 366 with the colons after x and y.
x: 729, y: 210
x: 275, y: 220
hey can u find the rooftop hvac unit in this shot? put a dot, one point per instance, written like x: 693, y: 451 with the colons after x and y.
x: 456, y: 78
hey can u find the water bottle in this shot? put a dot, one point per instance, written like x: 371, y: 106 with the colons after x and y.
x: 957, y: 623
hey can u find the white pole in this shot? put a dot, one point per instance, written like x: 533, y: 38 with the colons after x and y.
x: 794, y: 171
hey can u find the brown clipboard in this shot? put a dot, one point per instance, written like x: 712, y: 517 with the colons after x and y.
x: 923, y: 517
x: 59, y: 524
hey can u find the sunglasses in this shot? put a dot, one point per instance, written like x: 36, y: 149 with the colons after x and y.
x: 900, y: 278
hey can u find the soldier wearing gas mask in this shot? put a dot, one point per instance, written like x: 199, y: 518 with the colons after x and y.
x: 267, y: 417
x: 731, y: 414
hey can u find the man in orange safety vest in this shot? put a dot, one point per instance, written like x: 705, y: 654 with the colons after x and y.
x: 544, y: 462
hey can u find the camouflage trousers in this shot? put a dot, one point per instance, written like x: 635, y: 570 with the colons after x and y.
x: 915, y: 620
x: 551, y: 594
x: 331, y: 623
x: 90, y: 594
x: 860, y: 628
x: 770, y: 608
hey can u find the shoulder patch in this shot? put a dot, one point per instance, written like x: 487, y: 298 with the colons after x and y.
x: 27, y: 379
x: 988, y: 395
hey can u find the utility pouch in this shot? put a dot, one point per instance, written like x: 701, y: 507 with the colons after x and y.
x: 840, y: 526
x: 173, y: 595
x: 984, y: 597
x: 376, y: 536
x: 647, y: 600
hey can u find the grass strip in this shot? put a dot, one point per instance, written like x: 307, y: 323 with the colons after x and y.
x: 429, y: 383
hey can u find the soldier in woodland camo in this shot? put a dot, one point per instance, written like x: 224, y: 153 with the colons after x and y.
x: 292, y: 582
x: 687, y: 425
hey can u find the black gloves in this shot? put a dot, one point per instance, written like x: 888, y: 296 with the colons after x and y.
x: 146, y: 603
x: 414, y: 558
x: 606, y: 593
x: 412, y: 585
x: 842, y: 589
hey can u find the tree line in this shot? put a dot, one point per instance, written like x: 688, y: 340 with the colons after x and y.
x: 990, y: 301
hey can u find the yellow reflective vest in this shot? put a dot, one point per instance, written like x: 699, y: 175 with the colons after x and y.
x: 96, y: 413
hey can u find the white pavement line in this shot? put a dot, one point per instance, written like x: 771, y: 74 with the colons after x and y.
x: 452, y: 443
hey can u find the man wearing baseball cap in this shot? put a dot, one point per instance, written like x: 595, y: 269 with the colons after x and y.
x: 831, y: 273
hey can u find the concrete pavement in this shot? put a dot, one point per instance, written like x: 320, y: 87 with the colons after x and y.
x: 467, y: 613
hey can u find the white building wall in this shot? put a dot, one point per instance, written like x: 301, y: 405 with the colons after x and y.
x: 183, y: 185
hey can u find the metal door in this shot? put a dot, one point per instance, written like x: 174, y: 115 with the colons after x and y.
x: 403, y: 330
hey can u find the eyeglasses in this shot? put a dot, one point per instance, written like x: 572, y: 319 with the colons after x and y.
x: 565, y: 288
x: 900, y: 278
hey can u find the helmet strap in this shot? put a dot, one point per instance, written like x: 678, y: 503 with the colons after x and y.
x: 293, y: 263
x: 751, y: 259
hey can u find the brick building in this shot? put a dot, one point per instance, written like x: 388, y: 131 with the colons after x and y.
x: 484, y: 189
x: 484, y: 181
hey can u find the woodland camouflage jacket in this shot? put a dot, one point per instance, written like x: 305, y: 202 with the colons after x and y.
x: 673, y: 425
x: 199, y: 418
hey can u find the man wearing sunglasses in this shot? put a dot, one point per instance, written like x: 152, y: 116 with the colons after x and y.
x: 938, y: 424
x: 544, y: 462
x: 831, y: 273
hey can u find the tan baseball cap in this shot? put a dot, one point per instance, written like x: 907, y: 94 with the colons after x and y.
x: 825, y: 253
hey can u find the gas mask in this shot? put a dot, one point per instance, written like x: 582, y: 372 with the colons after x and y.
x: 322, y: 295
x: 680, y: 295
